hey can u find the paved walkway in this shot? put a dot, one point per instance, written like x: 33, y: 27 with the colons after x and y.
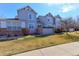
x: 70, y: 49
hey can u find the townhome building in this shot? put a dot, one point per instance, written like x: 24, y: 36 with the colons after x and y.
x: 46, y: 24
x: 28, y: 15
x: 10, y: 27
x: 27, y: 22
x: 58, y: 23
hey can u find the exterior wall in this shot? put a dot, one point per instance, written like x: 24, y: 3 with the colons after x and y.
x: 3, y: 32
x: 32, y: 27
x: 25, y: 31
x: 24, y: 28
x: 71, y: 29
x: 13, y: 25
x: 24, y: 14
x: 14, y: 28
x: 46, y: 24
x: 48, y: 21
x: 3, y: 24
x: 57, y: 23
x: 47, y: 31
x: 29, y: 16
x: 14, y: 33
x: 10, y: 27
x: 23, y: 24
x: 3, y: 28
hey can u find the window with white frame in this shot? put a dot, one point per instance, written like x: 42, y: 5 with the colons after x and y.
x: 31, y: 26
x: 54, y: 21
x: 48, y: 19
x: 14, y: 27
x: 23, y: 25
x: 30, y: 16
x: 3, y: 24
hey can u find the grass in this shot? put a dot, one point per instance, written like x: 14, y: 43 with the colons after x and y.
x: 29, y: 42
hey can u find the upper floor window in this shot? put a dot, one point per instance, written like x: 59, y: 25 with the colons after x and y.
x: 48, y: 19
x: 28, y: 9
x: 30, y: 16
x: 53, y: 21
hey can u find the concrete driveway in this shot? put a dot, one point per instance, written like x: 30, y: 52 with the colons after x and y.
x: 69, y: 49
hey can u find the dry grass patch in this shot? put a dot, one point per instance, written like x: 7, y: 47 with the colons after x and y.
x: 31, y: 42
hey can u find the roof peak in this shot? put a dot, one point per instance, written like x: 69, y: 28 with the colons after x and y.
x: 58, y: 16
x: 49, y: 14
x: 27, y: 7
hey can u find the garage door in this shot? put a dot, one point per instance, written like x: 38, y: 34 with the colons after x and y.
x: 47, y: 31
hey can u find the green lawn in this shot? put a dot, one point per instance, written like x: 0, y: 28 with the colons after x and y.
x: 29, y: 42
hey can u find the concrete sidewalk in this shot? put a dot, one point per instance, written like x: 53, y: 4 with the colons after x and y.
x: 70, y: 49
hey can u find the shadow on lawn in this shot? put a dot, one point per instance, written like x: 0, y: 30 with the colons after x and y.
x: 1, y: 40
x: 28, y: 37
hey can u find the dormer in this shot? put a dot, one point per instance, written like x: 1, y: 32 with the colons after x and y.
x: 58, y: 16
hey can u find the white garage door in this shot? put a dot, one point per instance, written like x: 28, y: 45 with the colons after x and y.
x: 47, y: 31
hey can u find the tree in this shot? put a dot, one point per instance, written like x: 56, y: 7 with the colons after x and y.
x: 67, y: 24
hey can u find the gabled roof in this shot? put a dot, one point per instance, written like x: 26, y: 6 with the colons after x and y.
x: 28, y: 8
x: 49, y: 14
x: 58, y: 16
x: 39, y: 17
x: 8, y: 18
x: 12, y: 19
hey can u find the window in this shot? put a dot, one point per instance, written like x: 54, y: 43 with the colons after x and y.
x: 23, y: 25
x: 28, y: 9
x: 3, y: 24
x: 9, y: 28
x: 30, y: 17
x: 31, y: 26
x: 53, y: 21
x: 48, y: 19
x: 13, y: 28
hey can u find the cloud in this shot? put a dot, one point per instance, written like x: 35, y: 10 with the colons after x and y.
x: 67, y: 8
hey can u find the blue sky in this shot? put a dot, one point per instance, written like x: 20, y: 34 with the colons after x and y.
x: 9, y: 10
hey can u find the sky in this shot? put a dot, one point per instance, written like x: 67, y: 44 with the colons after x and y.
x: 9, y: 10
